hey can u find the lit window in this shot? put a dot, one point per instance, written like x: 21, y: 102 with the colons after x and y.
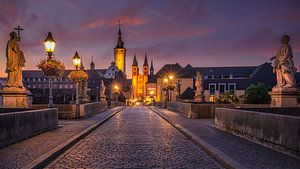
x: 212, y: 89
x: 222, y: 88
x: 232, y: 87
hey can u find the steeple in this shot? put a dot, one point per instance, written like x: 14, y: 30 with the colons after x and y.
x: 120, y: 43
x: 134, y: 61
x: 151, y: 68
x: 146, y: 60
x: 92, y: 65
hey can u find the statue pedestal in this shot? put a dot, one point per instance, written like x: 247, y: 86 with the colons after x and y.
x: 285, y: 97
x: 200, y: 98
x: 102, y: 98
x: 13, y: 98
x: 83, y: 98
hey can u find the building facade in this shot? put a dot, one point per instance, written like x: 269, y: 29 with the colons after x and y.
x: 139, y: 81
x: 216, y: 80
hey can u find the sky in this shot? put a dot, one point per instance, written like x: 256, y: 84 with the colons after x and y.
x: 198, y: 32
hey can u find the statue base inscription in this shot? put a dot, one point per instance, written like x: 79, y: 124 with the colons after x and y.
x: 285, y: 97
x: 13, y: 98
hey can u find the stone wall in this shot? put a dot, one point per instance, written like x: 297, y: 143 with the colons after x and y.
x: 68, y: 111
x: 90, y: 109
x: 116, y: 104
x: 17, y: 126
x: 196, y: 110
x: 160, y: 105
x: 282, y: 130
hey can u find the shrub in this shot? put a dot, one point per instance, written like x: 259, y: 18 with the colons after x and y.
x: 227, y: 98
x: 257, y: 94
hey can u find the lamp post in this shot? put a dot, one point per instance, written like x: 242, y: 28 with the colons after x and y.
x: 166, y: 81
x: 49, y: 43
x: 179, y: 82
x: 77, y: 62
x: 118, y: 90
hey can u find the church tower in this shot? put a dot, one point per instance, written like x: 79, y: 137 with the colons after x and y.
x: 145, y: 66
x: 151, y: 69
x: 120, y: 53
x: 92, y: 65
x: 135, y: 74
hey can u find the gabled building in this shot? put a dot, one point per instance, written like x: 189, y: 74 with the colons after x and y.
x: 216, y: 80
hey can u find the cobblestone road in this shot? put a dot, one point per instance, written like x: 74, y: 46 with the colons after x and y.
x: 135, y: 138
x: 20, y: 154
x: 248, y: 154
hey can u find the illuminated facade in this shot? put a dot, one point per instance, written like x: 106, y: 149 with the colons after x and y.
x: 139, y: 81
x: 120, y: 53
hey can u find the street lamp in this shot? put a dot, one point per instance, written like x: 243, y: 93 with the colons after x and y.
x: 76, y: 62
x: 117, y: 93
x: 49, y: 43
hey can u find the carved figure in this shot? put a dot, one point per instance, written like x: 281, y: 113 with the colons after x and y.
x: 15, y: 62
x: 284, y: 65
x: 199, y: 84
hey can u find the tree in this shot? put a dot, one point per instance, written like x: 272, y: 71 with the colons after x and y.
x: 227, y: 98
x: 257, y: 94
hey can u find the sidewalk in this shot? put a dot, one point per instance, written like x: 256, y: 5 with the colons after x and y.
x: 19, y: 154
x: 246, y: 153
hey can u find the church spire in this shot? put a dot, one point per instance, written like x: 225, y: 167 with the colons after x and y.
x: 92, y: 65
x: 151, y: 68
x: 146, y: 60
x: 120, y: 43
x: 134, y: 61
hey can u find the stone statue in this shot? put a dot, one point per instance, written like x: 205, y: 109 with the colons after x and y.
x: 284, y: 65
x: 15, y: 62
x: 199, y: 84
x: 102, y: 89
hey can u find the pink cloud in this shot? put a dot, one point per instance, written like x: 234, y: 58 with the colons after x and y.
x: 112, y: 22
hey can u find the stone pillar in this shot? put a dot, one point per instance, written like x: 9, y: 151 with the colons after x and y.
x: 13, y: 98
x: 285, y: 97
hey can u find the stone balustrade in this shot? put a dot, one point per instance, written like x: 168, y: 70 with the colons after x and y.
x: 16, y: 126
x: 265, y: 127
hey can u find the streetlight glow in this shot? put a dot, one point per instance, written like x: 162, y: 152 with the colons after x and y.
x: 166, y: 80
x: 116, y: 87
x: 76, y: 60
x: 49, y: 43
x: 171, y: 77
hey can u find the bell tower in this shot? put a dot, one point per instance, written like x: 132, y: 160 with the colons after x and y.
x: 120, y: 53
x: 135, y: 74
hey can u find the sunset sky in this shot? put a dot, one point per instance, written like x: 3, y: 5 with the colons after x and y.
x: 197, y: 32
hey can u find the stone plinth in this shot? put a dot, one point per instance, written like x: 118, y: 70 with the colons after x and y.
x: 102, y: 98
x: 285, y: 97
x: 13, y: 98
x: 200, y: 98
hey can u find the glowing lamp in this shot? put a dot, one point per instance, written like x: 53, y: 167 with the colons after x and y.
x: 171, y: 77
x: 49, y: 43
x: 76, y: 60
x: 116, y: 87
x: 166, y: 80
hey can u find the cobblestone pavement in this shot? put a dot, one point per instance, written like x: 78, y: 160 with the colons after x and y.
x: 20, y: 154
x: 135, y: 138
x: 248, y: 154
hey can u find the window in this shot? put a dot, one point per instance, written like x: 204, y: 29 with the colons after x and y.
x: 33, y: 79
x: 232, y: 87
x: 222, y: 88
x: 60, y: 86
x: 212, y: 88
